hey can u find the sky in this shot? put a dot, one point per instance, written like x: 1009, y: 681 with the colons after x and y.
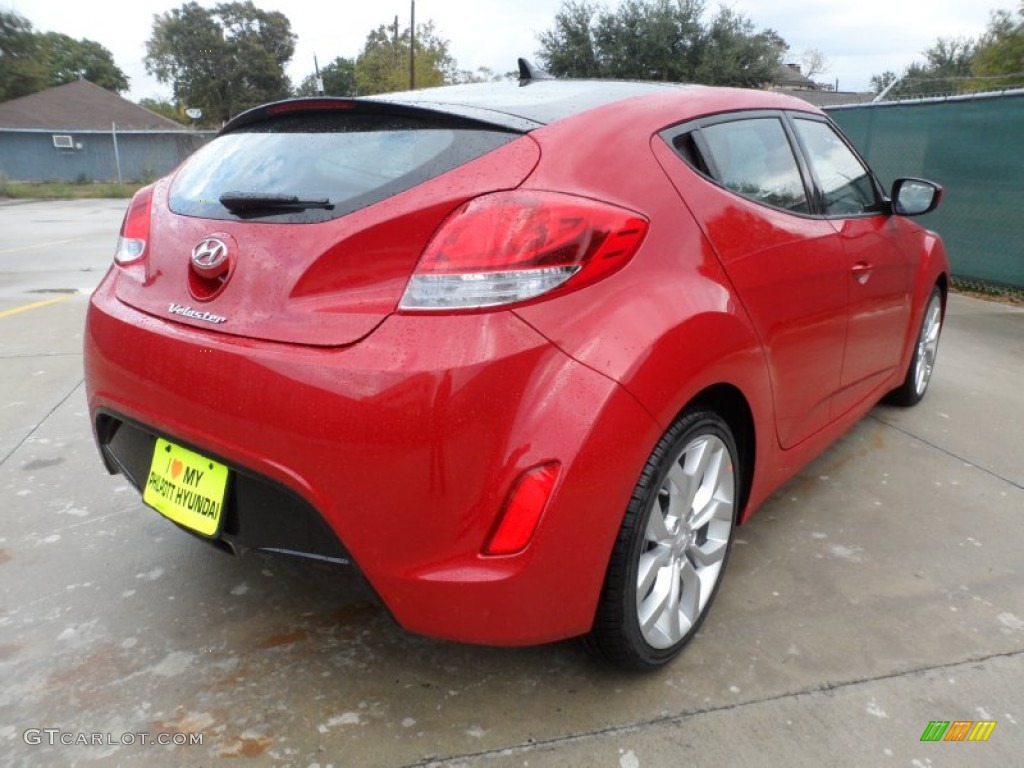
x: 858, y: 39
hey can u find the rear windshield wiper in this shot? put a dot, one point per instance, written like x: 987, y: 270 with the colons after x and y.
x: 270, y: 201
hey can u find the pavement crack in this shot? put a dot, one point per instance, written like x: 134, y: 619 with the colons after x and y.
x: 828, y: 688
x: 40, y: 423
x: 946, y: 451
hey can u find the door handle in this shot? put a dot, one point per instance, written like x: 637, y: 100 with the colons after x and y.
x: 862, y: 271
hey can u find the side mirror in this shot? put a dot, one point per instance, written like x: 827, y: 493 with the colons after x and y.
x: 915, y: 197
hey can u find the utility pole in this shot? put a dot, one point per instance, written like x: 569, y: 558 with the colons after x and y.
x: 412, y: 46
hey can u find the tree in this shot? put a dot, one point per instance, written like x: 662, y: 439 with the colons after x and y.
x: 999, y: 58
x: 735, y: 54
x: 483, y: 75
x: 171, y: 111
x: 339, y: 79
x: 659, y: 40
x: 946, y: 69
x: 33, y: 61
x: 957, y: 65
x: 223, y: 59
x: 69, y: 59
x: 647, y: 41
x: 569, y: 47
x: 383, y: 64
x: 21, y: 68
x: 813, y: 62
x: 880, y: 82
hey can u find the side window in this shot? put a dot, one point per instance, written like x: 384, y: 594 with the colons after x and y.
x: 753, y: 158
x: 845, y: 182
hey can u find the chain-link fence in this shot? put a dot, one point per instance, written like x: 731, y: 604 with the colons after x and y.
x: 82, y: 156
x: 973, y: 146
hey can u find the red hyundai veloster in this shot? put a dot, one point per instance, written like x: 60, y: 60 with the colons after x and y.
x: 524, y: 353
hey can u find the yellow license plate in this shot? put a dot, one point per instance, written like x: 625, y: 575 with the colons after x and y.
x: 186, y: 487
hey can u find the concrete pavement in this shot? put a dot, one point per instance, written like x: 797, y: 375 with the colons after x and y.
x: 881, y: 589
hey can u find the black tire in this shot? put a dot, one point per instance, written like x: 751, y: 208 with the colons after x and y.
x: 922, y: 362
x: 698, y: 527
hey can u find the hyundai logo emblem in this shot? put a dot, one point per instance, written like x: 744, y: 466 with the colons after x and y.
x: 210, y: 257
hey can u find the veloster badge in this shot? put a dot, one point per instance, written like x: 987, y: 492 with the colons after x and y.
x: 195, y: 314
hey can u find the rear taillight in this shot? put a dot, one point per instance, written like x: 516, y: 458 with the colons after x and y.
x: 509, y: 247
x: 131, y: 245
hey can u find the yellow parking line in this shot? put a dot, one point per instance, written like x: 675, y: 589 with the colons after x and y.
x: 33, y: 305
x: 33, y: 246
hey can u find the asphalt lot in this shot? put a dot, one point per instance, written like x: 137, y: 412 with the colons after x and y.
x: 879, y: 590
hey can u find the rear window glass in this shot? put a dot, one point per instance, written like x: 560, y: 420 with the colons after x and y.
x: 351, y: 160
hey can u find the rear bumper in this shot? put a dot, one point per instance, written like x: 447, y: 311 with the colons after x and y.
x: 402, y: 447
x: 258, y: 514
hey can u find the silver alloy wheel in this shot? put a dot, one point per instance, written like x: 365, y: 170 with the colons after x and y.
x: 927, y: 345
x: 685, y: 541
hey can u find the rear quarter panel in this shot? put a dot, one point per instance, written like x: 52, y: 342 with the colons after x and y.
x: 667, y: 326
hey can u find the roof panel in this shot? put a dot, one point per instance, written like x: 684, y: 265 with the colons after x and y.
x: 541, y: 101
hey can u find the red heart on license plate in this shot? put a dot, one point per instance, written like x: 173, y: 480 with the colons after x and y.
x: 176, y: 467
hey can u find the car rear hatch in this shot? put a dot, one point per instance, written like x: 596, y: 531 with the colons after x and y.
x: 303, y: 220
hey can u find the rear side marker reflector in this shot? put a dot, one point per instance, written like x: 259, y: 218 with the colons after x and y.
x: 508, y: 247
x: 523, y: 511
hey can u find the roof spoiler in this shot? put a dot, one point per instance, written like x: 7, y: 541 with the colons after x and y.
x: 528, y: 73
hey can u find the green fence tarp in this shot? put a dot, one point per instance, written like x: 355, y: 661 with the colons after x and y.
x: 974, y: 147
